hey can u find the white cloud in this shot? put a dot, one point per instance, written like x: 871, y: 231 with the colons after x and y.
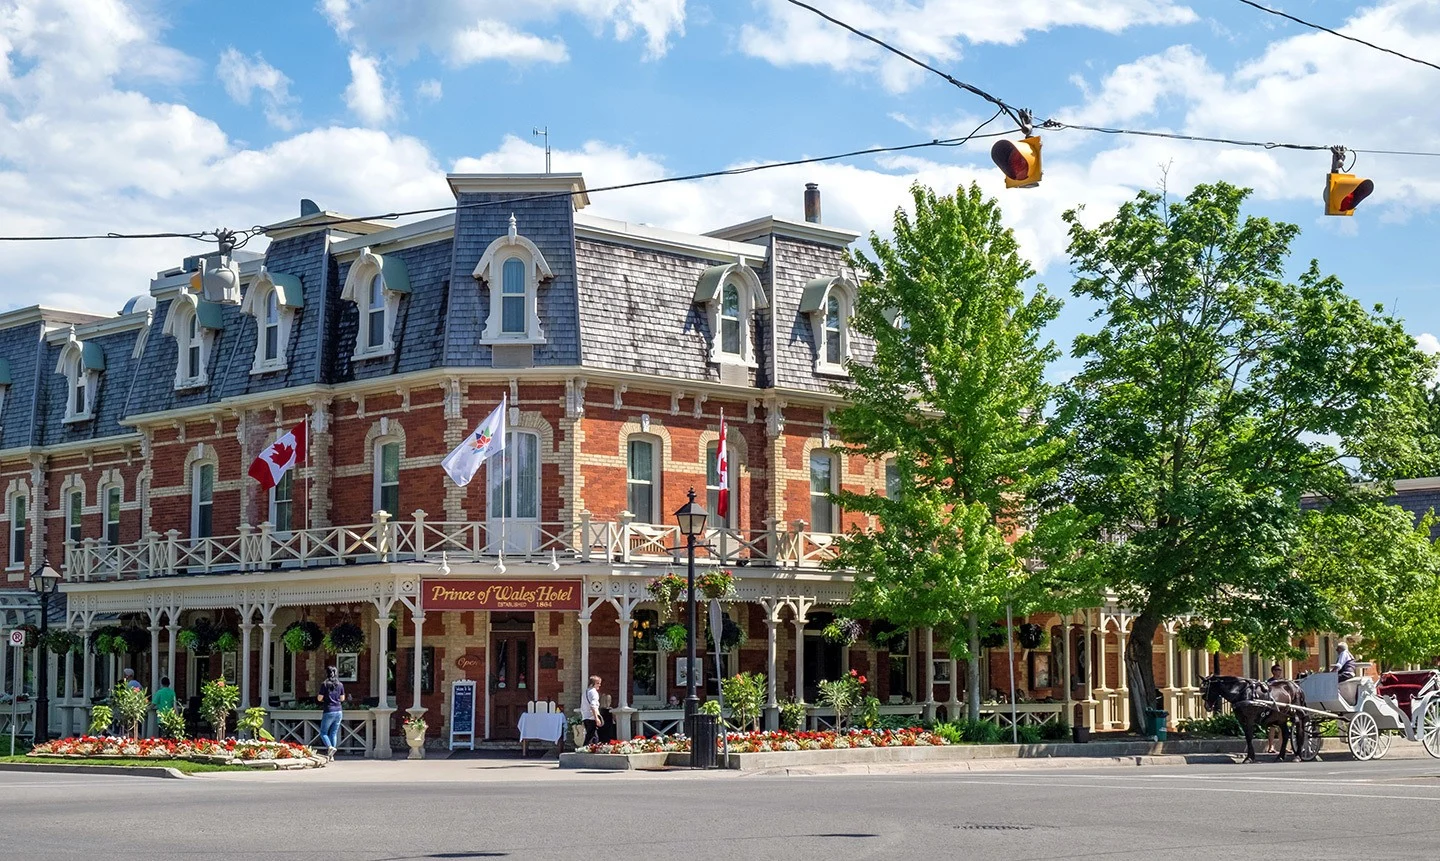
x: 1428, y: 343
x: 430, y: 90
x: 464, y: 32
x: 367, y: 96
x: 242, y: 75
x: 932, y: 30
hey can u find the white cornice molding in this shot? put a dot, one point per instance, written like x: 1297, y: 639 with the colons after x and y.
x: 304, y: 224
x: 520, y: 183
x: 97, y: 446
x: 397, y: 237
x: 47, y: 315
x: 1426, y: 483
x: 105, y: 326
x: 671, y: 241
x: 806, y: 230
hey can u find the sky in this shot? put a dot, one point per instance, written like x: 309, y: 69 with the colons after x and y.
x: 187, y: 115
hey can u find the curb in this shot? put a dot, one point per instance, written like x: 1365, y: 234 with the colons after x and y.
x: 128, y: 770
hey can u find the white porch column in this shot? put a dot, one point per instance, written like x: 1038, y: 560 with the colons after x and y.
x: 1122, y: 679
x: 151, y: 720
x: 68, y: 727
x: 1066, y: 678
x: 798, y: 620
x: 382, y: 710
x: 87, y: 696
x: 584, y: 653
x: 416, y: 708
x: 623, y: 713
x: 1100, y: 686
x: 266, y: 628
x: 772, y: 649
x: 929, y: 701
x: 246, y: 624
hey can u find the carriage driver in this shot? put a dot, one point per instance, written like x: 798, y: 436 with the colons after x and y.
x: 1344, y: 663
x: 1272, y: 732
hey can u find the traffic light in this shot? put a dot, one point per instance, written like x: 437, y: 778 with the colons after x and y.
x: 1344, y: 191
x: 1019, y: 161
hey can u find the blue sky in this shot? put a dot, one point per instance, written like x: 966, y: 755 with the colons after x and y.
x: 184, y: 115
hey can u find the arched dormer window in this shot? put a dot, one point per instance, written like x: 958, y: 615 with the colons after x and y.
x: 274, y: 300
x: 829, y: 302
x: 730, y: 294
x: 81, y: 363
x: 193, y: 323
x: 512, y: 268
x: 375, y: 284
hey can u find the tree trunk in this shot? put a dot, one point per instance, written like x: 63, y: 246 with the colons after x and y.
x: 972, y: 695
x: 1140, y: 667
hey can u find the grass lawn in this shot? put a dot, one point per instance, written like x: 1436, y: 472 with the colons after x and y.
x: 184, y: 766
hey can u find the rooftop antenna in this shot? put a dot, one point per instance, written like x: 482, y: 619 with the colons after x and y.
x: 544, y: 133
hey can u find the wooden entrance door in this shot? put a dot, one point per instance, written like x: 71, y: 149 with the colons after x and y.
x: 512, y: 678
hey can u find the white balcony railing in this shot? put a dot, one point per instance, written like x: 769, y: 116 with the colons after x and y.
x: 384, y: 540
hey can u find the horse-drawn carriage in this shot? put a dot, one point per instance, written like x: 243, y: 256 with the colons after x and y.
x: 1407, y: 703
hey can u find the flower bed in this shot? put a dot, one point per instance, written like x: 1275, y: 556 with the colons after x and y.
x: 198, y: 750
x: 767, y: 742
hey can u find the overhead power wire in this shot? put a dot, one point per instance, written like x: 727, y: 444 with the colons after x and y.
x: 214, y: 235
x: 1322, y: 29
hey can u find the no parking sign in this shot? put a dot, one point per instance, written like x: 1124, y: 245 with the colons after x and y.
x: 17, y: 638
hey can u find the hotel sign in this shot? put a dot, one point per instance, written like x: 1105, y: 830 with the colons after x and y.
x: 501, y: 595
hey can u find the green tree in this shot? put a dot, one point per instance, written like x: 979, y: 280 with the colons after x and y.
x: 955, y: 394
x: 1380, y: 572
x: 1215, y: 396
x: 130, y: 706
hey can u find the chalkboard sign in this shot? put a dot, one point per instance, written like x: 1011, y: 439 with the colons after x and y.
x: 462, y: 714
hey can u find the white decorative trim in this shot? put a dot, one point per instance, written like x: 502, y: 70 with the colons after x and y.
x: 845, y: 294
x: 751, y: 295
x: 257, y: 304
x: 183, y: 309
x: 490, y: 269
x: 357, y: 290
x: 70, y: 365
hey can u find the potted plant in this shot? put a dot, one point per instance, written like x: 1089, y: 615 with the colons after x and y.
x: 345, y: 637
x: 32, y: 635
x: 252, y: 723
x: 674, y: 637
x: 577, y: 729
x: 716, y: 584
x: 1028, y: 635
x: 993, y: 638
x: 414, y: 728
x: 732, y: 636
x: 666, y: 589
x: 60, y: 641
x: 100, y: 719
x: 227, y: 642
x: 302, y: 636
x: 842, y: 631
x: 108, y: 641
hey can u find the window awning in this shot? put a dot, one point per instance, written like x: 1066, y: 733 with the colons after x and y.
x: 92, y: 358
x: 210, y: 315
x: 4, y: 372
x: 397, y: 277
x: 287, y: 289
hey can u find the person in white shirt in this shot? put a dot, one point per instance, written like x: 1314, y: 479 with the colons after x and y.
x: 590, y: 711
x: 1344, y: 663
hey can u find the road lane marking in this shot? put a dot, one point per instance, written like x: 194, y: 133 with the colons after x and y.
x: 1150, y: 787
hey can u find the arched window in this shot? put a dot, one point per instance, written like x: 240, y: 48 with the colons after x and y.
x: 271, y: 335
x: 112, y: 500
x: 823, y: 475
x: 74, y: 515
x: 829, y: 302
x: 81, y: 363
x: 513, y: 268
x: 202, y: 500
x: 375, y: 313
x: 375, y: 284
x: 515, y: 478
x: 712, y: 487
x: 274, y: 300
x: 512, y: 298
x: 833, y: 341
x: 731, y: 293
x: 730, y: 321
x: 192, y: 323
x: 387, y: 476
x: 642, y: 478
x: 19, y: 513
x: 192, y: 348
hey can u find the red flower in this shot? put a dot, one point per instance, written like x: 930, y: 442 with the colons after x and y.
x: 862, y: 680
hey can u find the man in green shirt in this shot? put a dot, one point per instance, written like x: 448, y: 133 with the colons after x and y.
x: 164, y: 698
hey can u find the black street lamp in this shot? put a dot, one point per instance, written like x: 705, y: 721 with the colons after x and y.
x: 44, y: 582
x: 691, y: 518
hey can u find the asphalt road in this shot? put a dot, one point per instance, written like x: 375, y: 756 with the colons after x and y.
x: 1317, y: 811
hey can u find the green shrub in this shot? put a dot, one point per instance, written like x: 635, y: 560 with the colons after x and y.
x: 1055, y: 730
x: 898, y: 722
x: 1029, y: 734
x: 979, y: 731
x: 253, y: 723
x: 710, y: 707
x: 217, y: 701
x: 745, y: 695
x: 950, y: 732
x: 1216, y: 725
x: 869, y: 712
x: 172, y: 724
x: 129, y: 705
x: 100, y: 719
x: 792, y: 716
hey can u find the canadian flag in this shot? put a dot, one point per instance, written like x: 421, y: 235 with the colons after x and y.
x: 283, y: 453
x: 722, y: 474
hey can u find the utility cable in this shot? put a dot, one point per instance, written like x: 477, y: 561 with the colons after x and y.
x: 1304, y: 23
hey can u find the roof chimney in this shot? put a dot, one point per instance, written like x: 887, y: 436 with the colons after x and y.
x: 812, y: 203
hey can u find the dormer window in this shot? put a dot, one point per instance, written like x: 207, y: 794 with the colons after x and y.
x: 274, y: 300
x: 731, y: 293
x: 81, y: 364
x: 375, y: 284
x: 829, y: 302
x: 193, y: 323
x: 512, y: 268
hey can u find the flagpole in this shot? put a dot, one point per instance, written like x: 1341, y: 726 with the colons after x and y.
x: 505, y: 483
x: 307, y: 472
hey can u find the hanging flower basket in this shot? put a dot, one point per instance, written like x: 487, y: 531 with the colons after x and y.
x: 667, y: 588
x: 993, y: 638
x: 1028, y: 635
x: 136, y: 640
x: 32, y: 636
x: 674, y: 637
x: 716, y: 584
x: 302, y: 636
x: 60, y: 642
x: 345, y: 637
x: 108, y: 641
x: 201, y: 636
x: 1193, y: 635
x: 227, y: 642
x: 883, y: 633
x: 842, y: 631
x: 732, y: 636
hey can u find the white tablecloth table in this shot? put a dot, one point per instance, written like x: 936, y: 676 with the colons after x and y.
x: 541, y: 727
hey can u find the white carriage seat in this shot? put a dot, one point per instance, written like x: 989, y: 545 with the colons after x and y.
x: 1350, y: 691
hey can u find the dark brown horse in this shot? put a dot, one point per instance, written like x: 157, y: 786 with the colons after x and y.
x: 1255, y: 703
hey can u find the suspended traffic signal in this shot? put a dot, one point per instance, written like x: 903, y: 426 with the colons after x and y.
x: 1344, y: 191
x: 1019, y: 161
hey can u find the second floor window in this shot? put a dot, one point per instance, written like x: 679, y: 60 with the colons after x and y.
x: 641, y: 482
x: 202, y: 500
x: 80, y: 403
x: 892, y: 479
x: 271, y: 330
x: 74, y: 524
x: 514, y: 489
x: 387, y: 477
x: 192, y: 348
x: 822, y: 484
x: 375, y: 314
x: 18, y: 511
x: 112, y: 515
x: 512, y: 297
x: 712, y: 487
x: 730, y: 321
x: 281, y: 497
x: 833, y: 352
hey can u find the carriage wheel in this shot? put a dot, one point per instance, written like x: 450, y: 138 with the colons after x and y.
x: 1364, y: 736
x: 1430, y: 728
x: 1383, y: 744
x: 1311, y: 746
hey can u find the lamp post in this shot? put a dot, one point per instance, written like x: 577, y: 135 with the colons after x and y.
x: 691, y: 518
x: 44, y: 582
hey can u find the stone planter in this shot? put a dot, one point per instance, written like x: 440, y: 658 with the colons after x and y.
x: 415, y: 739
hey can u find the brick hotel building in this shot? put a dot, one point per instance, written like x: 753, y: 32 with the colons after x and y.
x: 125, y: 440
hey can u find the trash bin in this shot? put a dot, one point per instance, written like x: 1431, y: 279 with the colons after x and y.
x: 704, y: 733
x: 1155, y: 720
x: 1080, y: 734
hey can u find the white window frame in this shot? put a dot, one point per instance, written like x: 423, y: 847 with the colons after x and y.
x: 819, y: 294
x: 659, y: 697
x: 378, y: 453
x: 78, y: 379
x: 183, y: 324
x: 105, y: 522
x: 491, y: 270
x: 362, y: 273
x: 712, y: 491
x: 710, y: 292
x: 892, y: 490
x: 834, y: 487
x: 655, y: 514
x: 75, y: 521
x: 19, y: 528
x: 508, y: 472
x: 288, y: 480
x: 257, y: 303
x: 196, y: 503
x: 909, y: 658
